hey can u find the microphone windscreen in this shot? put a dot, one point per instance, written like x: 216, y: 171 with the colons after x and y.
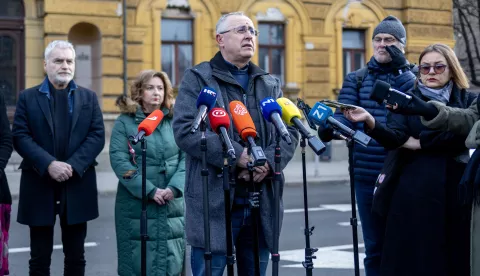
x: 241, y: 120
x: 319, y: 113
x: 289, y: 110
x: 151, y: 122
x: 218, y: 117
x: 379, y: 91
x: 269, y: 106
x: 207, y: 97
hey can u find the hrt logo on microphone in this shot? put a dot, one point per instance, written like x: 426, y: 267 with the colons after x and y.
x: 209, y: 92
x: 219, y: 113
x: 240, y: 110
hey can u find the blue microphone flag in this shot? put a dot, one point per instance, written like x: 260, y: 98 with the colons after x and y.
x: 207, y: 97
x: 268, y: 105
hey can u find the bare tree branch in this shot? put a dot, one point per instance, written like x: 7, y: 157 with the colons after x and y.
x: 475, y: 44
x: 471, y: 65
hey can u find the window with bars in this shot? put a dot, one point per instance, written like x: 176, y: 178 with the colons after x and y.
x: 271, y: 43
x: 353, y: 44
x: 177, y: 47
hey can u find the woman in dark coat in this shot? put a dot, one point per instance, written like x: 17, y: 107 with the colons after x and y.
x: 427, y: 229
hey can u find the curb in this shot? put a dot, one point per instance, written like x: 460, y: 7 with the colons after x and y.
x: 107, y: 192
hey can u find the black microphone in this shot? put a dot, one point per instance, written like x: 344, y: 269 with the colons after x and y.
x: 321, y: 113
x: 205, y: 101
x: 272, y: 112
x: 383, y: 93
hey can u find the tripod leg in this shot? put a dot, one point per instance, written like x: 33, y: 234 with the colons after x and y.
x: 353, y: 219
x: 254, y: 208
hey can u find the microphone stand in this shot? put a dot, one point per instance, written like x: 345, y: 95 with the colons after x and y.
x: 276, y: 207
x: 228, y: 181
x: 254, y: 200
x: 207, y: 255
x: 353, y: 219
x: 308, y: 263
x: 143, y: 216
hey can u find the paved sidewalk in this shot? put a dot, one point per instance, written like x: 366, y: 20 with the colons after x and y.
x: 317, y: 173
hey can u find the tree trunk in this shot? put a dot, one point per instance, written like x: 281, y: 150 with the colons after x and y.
x: 471, y: 65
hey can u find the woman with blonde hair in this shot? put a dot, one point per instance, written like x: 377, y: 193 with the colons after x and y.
x: 165, y: 181
x: 427, y: 230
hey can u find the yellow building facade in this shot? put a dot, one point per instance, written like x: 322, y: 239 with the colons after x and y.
x: 311, y: 49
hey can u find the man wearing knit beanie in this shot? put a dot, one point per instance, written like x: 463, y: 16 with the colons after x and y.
x: 390, y: 65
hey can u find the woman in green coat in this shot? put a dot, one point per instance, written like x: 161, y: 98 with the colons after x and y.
x: 164, y: 181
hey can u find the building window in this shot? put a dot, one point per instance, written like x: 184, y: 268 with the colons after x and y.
x: 271, y: 43
x: 12, y: 53
x: 177, y: 48
x: 353, y: 44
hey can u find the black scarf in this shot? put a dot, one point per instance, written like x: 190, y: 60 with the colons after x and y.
x: 469, y: 188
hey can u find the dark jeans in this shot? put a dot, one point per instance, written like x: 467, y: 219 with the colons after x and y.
x: 243, y: 239
x: 41, y: 246
x: 373, y: 228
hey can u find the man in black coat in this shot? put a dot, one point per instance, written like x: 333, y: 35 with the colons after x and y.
x: 58, y: 130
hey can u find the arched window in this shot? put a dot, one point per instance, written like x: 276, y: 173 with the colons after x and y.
x: 12, y: 53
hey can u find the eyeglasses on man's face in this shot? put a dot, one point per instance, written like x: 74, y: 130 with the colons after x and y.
x: 437, y: 68
x: 242, y: 30
x: 387, y: 40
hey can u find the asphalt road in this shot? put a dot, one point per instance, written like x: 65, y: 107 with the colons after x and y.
x: 330, y: 212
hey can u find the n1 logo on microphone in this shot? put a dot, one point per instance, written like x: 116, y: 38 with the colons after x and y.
x: 267, y: 101
x: 219, y: 113
x: 154, y: 118
x: 240, y: 110
x: 209, y: 92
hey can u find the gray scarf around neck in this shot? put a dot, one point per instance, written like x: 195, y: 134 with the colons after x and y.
x: 436, y: 94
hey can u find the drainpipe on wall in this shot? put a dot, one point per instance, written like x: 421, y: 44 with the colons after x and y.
x: 124, y: 12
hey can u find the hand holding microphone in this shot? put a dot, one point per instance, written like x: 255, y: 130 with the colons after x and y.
x: 321, y: 113
x: 148, y: 126
x: 402, y: 103
x: 291, y: 115
x: 246, y: 128
x: 206, y: 100
x: 220, y: 122
x: 272, y: 112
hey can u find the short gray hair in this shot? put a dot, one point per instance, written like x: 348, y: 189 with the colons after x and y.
x: 220, y: 23
x: 63, y: 44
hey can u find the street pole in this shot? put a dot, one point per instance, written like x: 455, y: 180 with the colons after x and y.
x: 124, y: 12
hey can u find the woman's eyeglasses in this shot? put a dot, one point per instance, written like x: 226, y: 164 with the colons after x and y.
x: 437, y: 68
x: 242, y: 30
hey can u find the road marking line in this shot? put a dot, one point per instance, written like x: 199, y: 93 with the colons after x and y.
x: 332, y: 257
x: 348, y: 223
x: 55, y: 247
x: 300, y: 210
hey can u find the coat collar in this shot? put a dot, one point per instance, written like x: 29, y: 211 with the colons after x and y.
x: 45, y: 87
x: 221, y: 69
x: 140, y: 115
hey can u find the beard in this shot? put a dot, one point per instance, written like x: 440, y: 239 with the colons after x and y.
x: 62, y: 80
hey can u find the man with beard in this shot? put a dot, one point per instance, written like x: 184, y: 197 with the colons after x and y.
x: 390, y: 65
x: 58, y: 130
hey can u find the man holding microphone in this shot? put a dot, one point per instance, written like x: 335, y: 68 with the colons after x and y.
x: 235, y: 78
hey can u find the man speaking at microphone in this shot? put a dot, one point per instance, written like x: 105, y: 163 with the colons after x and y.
x: 234, y: 77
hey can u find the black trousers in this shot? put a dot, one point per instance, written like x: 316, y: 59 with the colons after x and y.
x: 41, y: 248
